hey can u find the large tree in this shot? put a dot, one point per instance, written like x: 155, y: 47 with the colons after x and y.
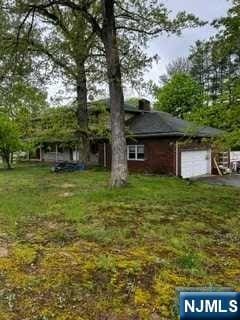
x: 21, y: 104
x: 228, y: 30
x: 143, y: 20
x: 216, y: 64
x: 9, y: 139
x: 179, y: 96
x: 213, y: 68
x: 223, y: 116
x: 20, y: 96
x: 62, y: 39
x: 179, y: 65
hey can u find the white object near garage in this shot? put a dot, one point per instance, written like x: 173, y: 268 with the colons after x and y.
x: 195, y: 163
x: 235, y: 156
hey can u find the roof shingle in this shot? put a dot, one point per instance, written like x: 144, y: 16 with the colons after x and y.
x: 157, y: 123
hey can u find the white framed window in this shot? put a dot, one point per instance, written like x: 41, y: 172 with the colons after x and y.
x: 135, y: 152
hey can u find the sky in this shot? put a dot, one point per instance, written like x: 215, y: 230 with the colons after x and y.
x: 169, y: 48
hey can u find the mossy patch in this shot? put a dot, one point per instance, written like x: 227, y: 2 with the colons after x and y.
x: 106, y: 254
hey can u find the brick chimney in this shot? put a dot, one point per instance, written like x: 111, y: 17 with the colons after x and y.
x: 144, y: 105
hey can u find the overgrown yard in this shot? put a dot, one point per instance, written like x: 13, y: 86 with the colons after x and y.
x: 72, y: 249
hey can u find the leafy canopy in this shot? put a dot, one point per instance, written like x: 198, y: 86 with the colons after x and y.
x: 179, y: 96
x: 216, y: 64
x: 223, y: 115
x: 9, y: 137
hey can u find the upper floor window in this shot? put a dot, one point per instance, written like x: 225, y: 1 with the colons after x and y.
x: 135, y: 152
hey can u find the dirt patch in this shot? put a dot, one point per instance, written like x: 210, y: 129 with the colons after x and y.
x: 4, y: 252
x: 40, y: 230
x: 67, y: 194
x: 67, y: 185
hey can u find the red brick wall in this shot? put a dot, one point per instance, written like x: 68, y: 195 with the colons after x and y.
x: 160, y: 156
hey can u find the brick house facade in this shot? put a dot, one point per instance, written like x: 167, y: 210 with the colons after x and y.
x: 162, y: 144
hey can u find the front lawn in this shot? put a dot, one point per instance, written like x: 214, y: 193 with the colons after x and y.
x: 72, y: 249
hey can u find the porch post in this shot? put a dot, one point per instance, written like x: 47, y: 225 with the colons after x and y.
x: 40, y: 154
x: 77, y: 154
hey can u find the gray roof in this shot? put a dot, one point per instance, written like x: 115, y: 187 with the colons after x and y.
x: 156, y: 123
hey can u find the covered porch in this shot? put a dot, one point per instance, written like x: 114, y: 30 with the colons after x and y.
x: 59, y: 152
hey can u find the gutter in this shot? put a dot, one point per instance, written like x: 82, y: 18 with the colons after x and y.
x: 167, y: 134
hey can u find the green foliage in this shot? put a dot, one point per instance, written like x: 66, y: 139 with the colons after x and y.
x: 224, y: 115
x: 215, y: 63
x: 22, y: 103
x: 23, y: 98
x: 99, y: 119
x: 9, y: 138
x: 143, y: 241
x: 69, y: 40
x: 60, y: 124
x: 179, y: 96
x: 99, y: 124
x: 149, y: 19
x: 214, y: 68
x: 24, y: 254
x: 15, y: 59
x: 55, y: 124
x: 133, y: 102
x: 179, y: 65
x: 219, y: 115
x: 229, y: 27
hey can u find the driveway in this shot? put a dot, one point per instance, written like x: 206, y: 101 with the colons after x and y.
x: 233, y: 180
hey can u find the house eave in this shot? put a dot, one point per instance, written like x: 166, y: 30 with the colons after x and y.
x: 167, y: 134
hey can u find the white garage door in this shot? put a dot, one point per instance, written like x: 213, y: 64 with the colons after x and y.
x: 195, y: 163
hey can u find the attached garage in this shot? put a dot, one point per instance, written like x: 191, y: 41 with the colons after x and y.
x: 195, y: 163
x: 162, y: 144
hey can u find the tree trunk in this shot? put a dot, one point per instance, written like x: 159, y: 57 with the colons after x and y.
x: 82, y: 114
x: 6, y: 159
x: 119, y: 173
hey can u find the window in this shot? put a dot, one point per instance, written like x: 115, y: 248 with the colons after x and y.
x: 135, y: 152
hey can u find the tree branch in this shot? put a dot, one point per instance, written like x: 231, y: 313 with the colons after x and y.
x: 138, y: 30
x: 40, y: 48
x: 83, y: 8
x: 57, y: 21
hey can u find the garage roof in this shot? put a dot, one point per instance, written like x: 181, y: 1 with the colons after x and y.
x: 157, y: 123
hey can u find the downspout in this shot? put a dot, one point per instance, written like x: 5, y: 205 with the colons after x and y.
x: 177, y: 156
x: 211, y: 165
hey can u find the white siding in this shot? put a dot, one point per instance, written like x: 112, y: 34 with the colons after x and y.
x: 235, y: 156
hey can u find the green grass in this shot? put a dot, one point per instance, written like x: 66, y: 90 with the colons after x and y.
x: 71, y: 248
